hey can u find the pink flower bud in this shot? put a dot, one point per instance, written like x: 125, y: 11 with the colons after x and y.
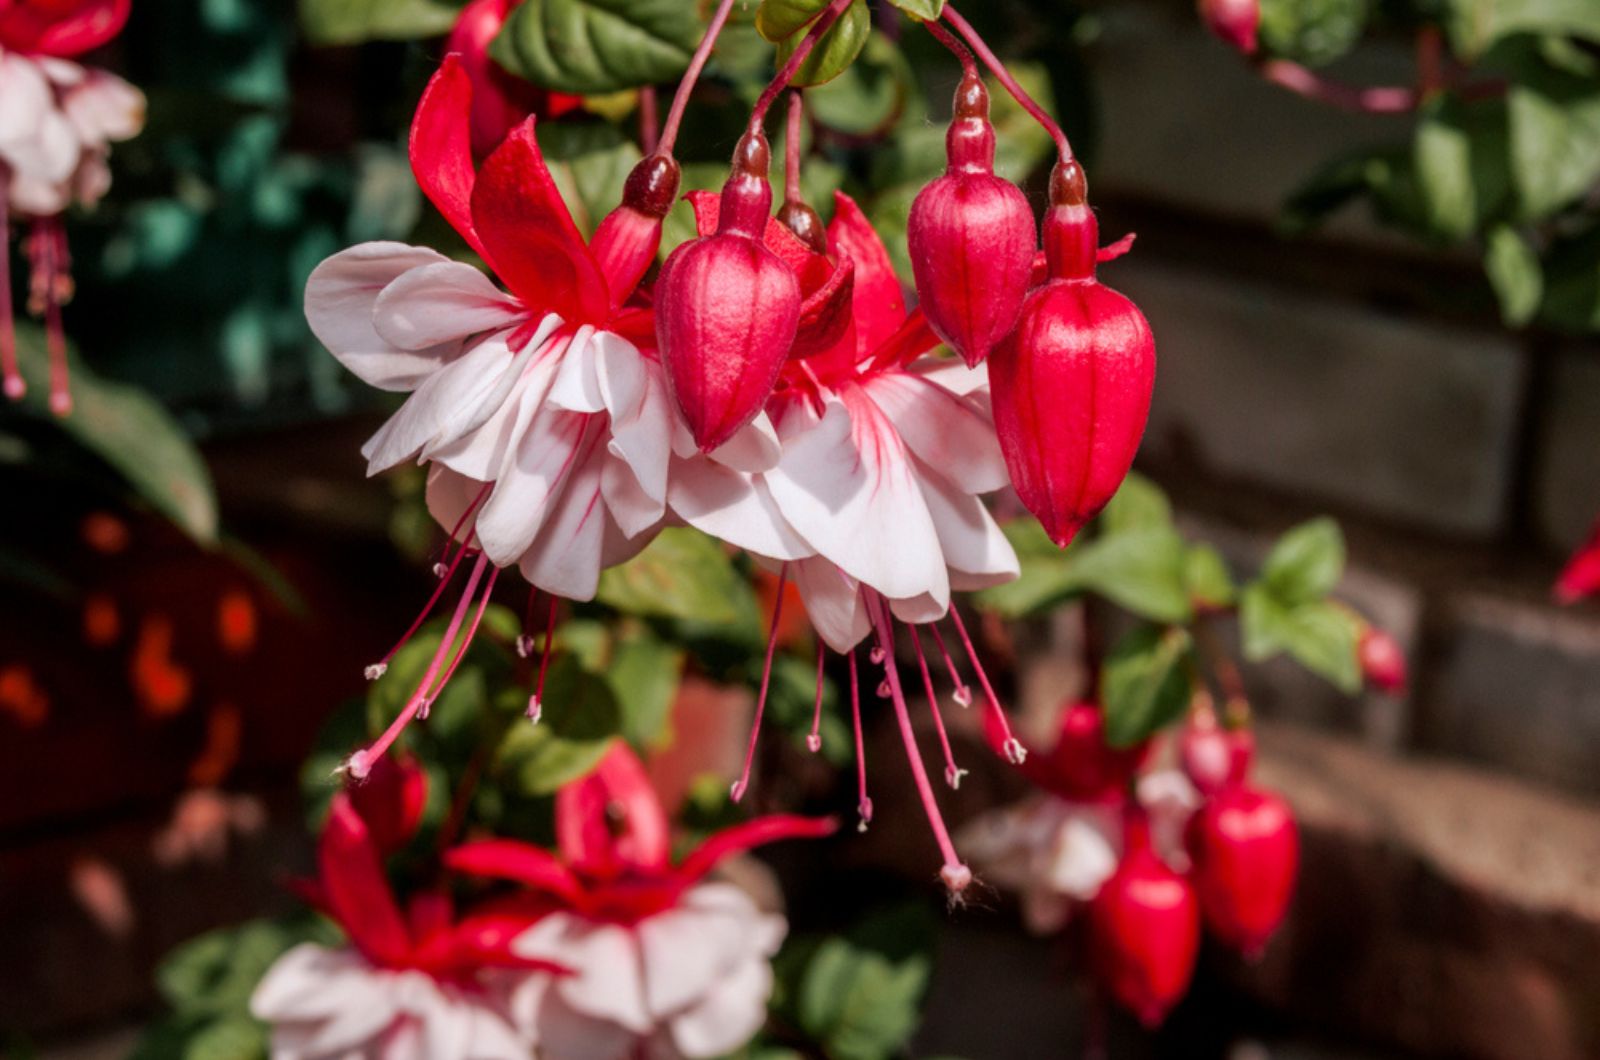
x: 1072, y: 382
x: 1214, y: 758
x: 970, y: 236
x: 1085, y: 767
x: 728, y: 309
x: 1383, y: 664
x: 1245, y: 851
x: 1233, y: 21
x: 626, y: 242
x: 1144, y: 929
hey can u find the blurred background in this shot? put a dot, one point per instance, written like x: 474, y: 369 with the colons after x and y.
x: 1389, y: 318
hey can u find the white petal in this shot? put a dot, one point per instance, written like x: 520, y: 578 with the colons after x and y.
x: 833, y: 602
x: 953, y: 435
x: 634, y: 392
x: 975, y: 549
x: 25, y: 97
x: 485, y: 453
x: 920, y: 609
x: 296, y: 987
x: 848, y: 487
x: 567, y: 1034
x: 565, y: 559
x: 104, y: 108
x: 729, y: 1016
x: 632, y: 510
x: 544, y: 456
x: 689, y: 948
x: 456, y: 399
x: 445, y: 302
x: 753, y: 447
x: 734, y: 507
x: 340, y: 296
x: 1084, y: 853
x: 952, y: 374
x: 577, y: 385
x: 605, y: 962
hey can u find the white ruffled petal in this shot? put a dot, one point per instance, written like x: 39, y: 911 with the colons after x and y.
x: 445, y: 302
x: 340, y: 297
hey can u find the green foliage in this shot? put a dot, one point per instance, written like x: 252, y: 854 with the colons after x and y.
x: 1145, y: 683
x: 1514, y: 273
x: 682, y: 574
x: 590, y: 162
x: 597, y: 46
x: 1288, y: 610
x: 353, y: 21
x: 581, y: 716
x: 1306, y: 563
x: 1475, y: 26
x: 1314, y: 32
x: 834, y: 52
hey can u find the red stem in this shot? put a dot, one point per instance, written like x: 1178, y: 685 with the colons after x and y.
x: 680, y: 99
x: 1380, y: 99
x: 821, y: 25
x: 969, y: 67
x: 791, y: 148
x: 1002, y: 75
x: 649, y: 120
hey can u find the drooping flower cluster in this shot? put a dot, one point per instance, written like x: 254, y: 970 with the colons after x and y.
x: 767, y: 385
x: 608, y: 949
x: 57, y: 122
x: 1150, y: 858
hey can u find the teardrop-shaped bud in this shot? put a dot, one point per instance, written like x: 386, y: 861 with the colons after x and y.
x: 626, y: 242
x: 1245, y: 851
x: 1085, y: 767
x: 390, y: 800
x: 970, y: 236
x: 727, y: 309
x: 1145, y: 929
x: 1383, y: 662
x: 1072, y: 383
x: 1213, y: 757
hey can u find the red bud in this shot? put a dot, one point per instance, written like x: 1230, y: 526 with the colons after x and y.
x: 390, y: 800
x: 970, y: 236
x: 626, y: 242
x: 1383, y: 663
x: 1145, y: 929
x: 727, y: 309
x: 1085, y: 766
x: 1215, y: 758
x: 1234, y: 21
x: 1072, y: 383
x: 1245, y: 851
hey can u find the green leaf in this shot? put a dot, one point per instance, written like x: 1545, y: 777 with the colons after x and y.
x: 1138, y: 504
x: 1306, y: 563
x: 597, y: 46
x: 778, y: 20
x: 869, y: 96
x: 644, y: 673
x: 1141, y: 570
x: 836, y: 50
x: 1314, y: 32
x: 859, y: 1004
x: 1514, y: 273
x: 129, y: 430
x: 1476, y: 25
x: 682, y: 574
x: 1206, y: 576
x: 1047, y: 574
x: 235, y: 1038
x: 590, y: 162
x: 580, y: 718
x: 1331, y: 187
x: 353, y: 21
x: 1144, y: 683
x: 1554, y: 121
x: 921, y: 10
x: 1322, y: 636
x: 1459, y: 157
x: 1572, y: 283
x: 215, y: 973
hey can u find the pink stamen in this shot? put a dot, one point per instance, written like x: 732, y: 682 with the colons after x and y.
x: 15, y: 387
x: 536, y: 701
x: 963, y: 693
x: 525, y: 639
x: 743, y: 783
x: 863, y: 801
x: 360, y: 763
x: 814, y: 741
x: 377, y: 669
x: 1015, y: 752
x: 466, y: 642
x: 52, y: 262
x: 455, y: 531
x: 952, y: 775
x: 956, y: 875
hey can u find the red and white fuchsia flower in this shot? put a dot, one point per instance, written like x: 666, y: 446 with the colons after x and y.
x: 415, y: 982
x: 658, y: 961
x: 58, y: 120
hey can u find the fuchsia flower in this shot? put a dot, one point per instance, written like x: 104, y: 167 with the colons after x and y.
x: 662, y: 964
x: 57, y: 122
x: 1581, y: 576
x: 500, y: 101
x: 418, y: 982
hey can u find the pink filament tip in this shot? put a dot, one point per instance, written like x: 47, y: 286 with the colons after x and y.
x: 535, y: 709
x: 737, y: 790
x: 957, y: 878
x: 524, y: 646
x: 376, y: 670
x: 864, y: 812
x: 440, y: 570
x: 814, y: 742
x: 358, y: 765
x: 963, y: 695
x: 1016, y: 754
x: 15, y: 387
x: 952, y: 777
x: 883, y: 689
x: 876, y: 655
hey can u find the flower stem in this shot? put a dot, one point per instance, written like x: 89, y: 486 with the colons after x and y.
x: 791, y: 148
x: 819, y: 26
x: 969, y: 66
x: 1001, y: 74
x: 697, y: 63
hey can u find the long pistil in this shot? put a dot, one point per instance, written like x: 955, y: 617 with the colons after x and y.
x: 741, y: 785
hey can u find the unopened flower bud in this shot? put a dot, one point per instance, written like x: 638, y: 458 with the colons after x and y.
x: 1383, y: 663
x: 970, y: 236
x: 1245, y: 852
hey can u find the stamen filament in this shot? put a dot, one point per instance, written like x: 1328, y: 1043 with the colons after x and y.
x: 360, y: 763
x: 962, y: 693
x: 697, y: 63
x: 55, y: 335
x: 15, y: 386
x: 743, y: 783
x: 1014, y: 750
x: 376, y: 670
x: 952, y: 774
x: 1002, y: 75
x: 536, y: 701
x: 956, y: 875
x: 466, y: 642
x: 814, y: 741
x: 863, y: 800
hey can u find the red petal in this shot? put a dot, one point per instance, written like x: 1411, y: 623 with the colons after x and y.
x: 528, y: 235
x: 508, y: 859
x: 750, y: 834
x: 810, y: 268
x: 1112, y: 251
x: 484, y: 941
x: 441, y: 146
x: 879, y: 301
x: 914, y: 338
x: 826, y: 313
x: 587, y: 826
x: 391, y: 800
x: 355, y: 888
x: 60, y: 29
